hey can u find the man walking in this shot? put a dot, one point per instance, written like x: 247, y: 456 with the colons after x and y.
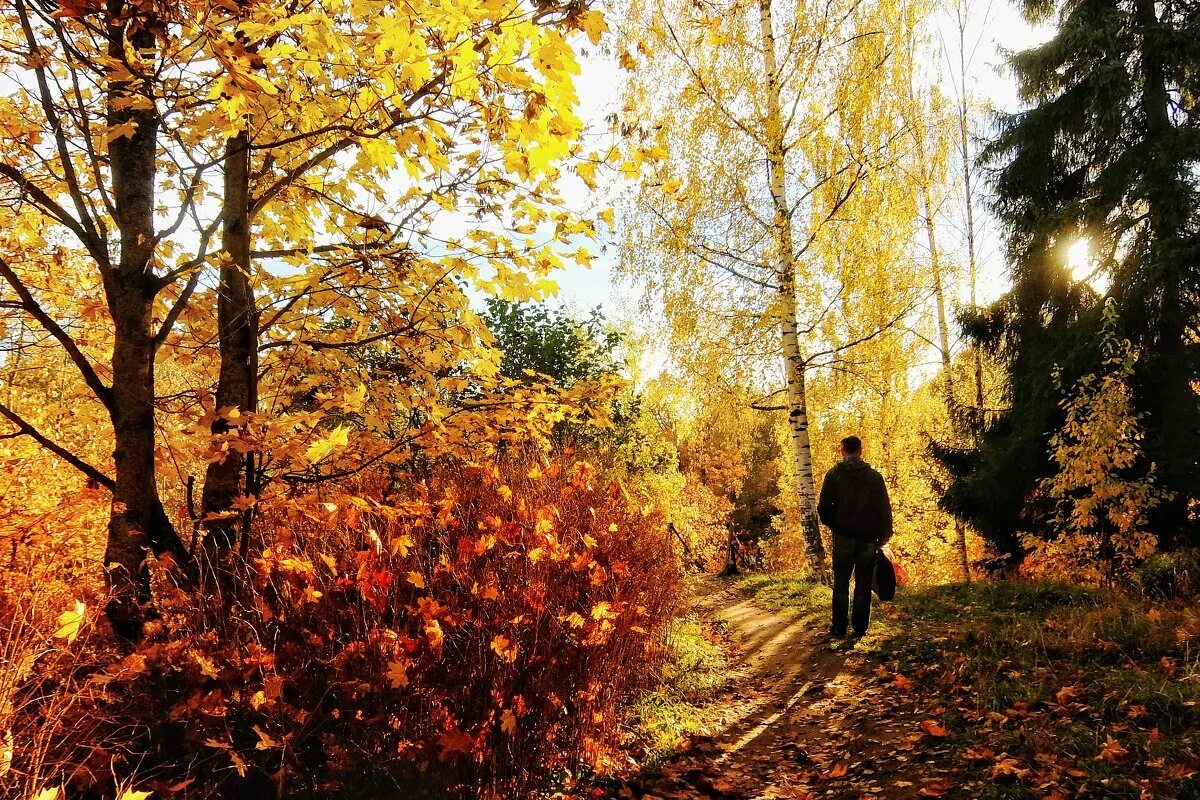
x: 854, y: 505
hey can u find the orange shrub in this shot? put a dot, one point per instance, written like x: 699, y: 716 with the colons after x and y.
x: 473, y: 639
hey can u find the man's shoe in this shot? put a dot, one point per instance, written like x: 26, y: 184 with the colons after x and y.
x: 833, y: 636
x: 856, y: 635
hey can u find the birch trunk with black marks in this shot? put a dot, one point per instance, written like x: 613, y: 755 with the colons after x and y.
x: 793, y: 359
x: 968, y: 177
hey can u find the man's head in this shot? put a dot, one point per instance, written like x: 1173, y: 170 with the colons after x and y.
x: 851, y: 446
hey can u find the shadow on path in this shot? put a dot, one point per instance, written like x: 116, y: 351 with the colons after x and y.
x: 799, y: 722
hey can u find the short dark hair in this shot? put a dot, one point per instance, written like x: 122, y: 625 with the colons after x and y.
x: 852, y: 445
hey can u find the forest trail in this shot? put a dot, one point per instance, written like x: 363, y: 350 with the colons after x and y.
x: 803, y: 719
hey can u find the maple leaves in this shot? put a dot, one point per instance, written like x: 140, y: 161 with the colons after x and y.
x: 412, y: 623
x: 934, y: 728
x: 70, y: 622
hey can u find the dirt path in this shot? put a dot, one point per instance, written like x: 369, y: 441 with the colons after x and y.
x: 803, y: 720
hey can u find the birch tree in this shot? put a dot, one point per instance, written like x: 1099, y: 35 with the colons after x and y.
x: 771, y: 220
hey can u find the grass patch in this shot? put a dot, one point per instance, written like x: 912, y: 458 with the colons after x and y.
x: 959, y: 602
x: 793, y: 593
x: 697, y: 671
x: 1097, y: 692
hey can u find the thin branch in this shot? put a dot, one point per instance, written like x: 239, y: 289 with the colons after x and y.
x: 27, y: 429
x: 56, y: 127
x: 52, y: 209
x: 31, y: 305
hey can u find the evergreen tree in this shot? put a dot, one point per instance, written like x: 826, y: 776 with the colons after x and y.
x: 540, y: 342
x: 1107, y: 150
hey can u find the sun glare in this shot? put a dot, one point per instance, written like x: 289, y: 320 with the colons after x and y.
x: 1083, y: 266
x: 1079, y: 259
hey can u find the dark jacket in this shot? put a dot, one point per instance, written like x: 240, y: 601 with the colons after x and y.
x: 854, y: 502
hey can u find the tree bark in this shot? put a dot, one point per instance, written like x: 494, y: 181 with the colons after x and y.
x: 137, y: 523
x: 793, y: 359
x: 237, y: 382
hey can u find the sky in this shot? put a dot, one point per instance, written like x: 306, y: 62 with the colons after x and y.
x: 995, y: 27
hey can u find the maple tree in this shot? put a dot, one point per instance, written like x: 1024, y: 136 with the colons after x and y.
x: 305, y: 272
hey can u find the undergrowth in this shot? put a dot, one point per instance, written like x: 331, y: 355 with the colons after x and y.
x: 697, y: 670
x: 1088, y: 692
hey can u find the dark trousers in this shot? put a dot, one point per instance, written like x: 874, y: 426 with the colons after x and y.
x: 857, y: 557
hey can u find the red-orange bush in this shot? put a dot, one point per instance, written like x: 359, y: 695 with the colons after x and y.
x: 472, y: 639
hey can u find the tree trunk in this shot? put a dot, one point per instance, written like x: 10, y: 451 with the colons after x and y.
x: 964, y: 147
x: 794, y: 363
x: 138, y: 522
x: 237, y: 382
x: 935, y: 263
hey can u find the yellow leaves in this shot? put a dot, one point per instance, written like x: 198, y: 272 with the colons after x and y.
x: 130, y: 794
x: 1113, y: 751
x: 397, y: 675
x: 594, y: 25
x: 1066, y: 694
x: 121, y: 130
x: 603, y: 610
x: 338, y: 438
x: 394, y: 36
x: 416, y: 580
x: 655, y: 153
x: 574, y: 619
x: 433, y: 632
x: 52, y: 793
x: 555, y: 58
x: 583, y: 257
x: 238, y: 763
x: 672, y: 186
x: 401, y: 545
x: 504, y: 648
x: 508, y: 722
x: 207, y: 667
x: 586, y: 170
x: 265, y: 742
x: 70, y: 621
x: 1007, y: 768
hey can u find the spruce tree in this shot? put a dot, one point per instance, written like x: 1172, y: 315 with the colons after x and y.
x: 1106, y: 149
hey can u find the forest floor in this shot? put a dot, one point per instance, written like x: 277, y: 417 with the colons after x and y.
x: 993, y: 690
